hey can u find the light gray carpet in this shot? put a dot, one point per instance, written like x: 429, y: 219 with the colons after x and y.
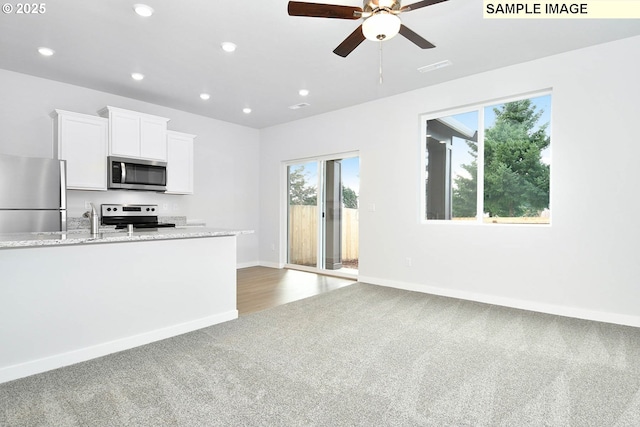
x: 358, y: 356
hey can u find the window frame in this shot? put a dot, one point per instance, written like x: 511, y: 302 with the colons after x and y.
x: 480, y: 109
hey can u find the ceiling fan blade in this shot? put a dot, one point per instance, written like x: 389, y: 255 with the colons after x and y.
x: 415, y: 38
x: 320, y: 10
x: 350, y: 43
x: 420, y: 4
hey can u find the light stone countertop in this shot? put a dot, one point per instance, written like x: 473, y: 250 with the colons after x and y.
x: 109, y: 235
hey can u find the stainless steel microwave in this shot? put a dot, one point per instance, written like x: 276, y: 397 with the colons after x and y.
x: 137, y: 174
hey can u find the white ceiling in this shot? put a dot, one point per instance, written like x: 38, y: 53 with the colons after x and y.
x: 99, y: 43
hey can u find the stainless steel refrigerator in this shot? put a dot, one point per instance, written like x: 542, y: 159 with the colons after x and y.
x: 33, y: 194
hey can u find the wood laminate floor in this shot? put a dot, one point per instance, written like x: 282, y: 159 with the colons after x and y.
x: 260, y: 288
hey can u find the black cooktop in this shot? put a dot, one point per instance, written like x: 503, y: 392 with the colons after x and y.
x: 146, y: 225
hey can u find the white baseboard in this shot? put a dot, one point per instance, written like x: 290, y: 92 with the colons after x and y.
x: 33, y: 367
x: 575, y: 312
x: 247, y: 264
x: 270, y: 264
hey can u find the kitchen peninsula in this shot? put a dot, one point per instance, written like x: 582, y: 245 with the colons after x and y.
x: 70, y: 297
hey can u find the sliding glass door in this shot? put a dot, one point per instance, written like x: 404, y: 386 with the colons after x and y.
x: 302, y: 182
x: 322, y: 214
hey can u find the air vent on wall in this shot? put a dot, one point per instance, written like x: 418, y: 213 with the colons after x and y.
x: 299, y: 106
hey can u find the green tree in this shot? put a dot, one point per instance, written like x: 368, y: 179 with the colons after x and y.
x: 465, y: 190
x: 349, y: 198
x: 516, y: 181
x: 300, y: 192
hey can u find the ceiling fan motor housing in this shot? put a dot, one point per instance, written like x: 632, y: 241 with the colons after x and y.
x: 372, y: 6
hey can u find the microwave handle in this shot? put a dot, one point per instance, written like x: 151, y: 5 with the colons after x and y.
x: 123, y: 171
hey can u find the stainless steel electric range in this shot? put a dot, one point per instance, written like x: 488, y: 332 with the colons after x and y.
x: 141, y: 216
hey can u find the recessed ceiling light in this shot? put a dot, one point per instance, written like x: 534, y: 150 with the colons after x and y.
x: 228, y: 46
x: 246, y: 110
x: 45, y: 51
x: 435, y: 66
x: 143, y: 10
x: 303, y: 92
x: 137, y: 76
x: 205, y: 96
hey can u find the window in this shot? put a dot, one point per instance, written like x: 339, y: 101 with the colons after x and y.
x: 490, y: 164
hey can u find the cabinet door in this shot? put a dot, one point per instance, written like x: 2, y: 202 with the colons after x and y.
x: 125, y: 134
x: 179, y: 163
x: 82, y: 142
x: 153, y: 138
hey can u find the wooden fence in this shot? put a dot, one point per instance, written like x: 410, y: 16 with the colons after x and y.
x: 303, y: 234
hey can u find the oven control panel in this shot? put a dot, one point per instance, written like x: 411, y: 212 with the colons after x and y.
x: 129, y: 210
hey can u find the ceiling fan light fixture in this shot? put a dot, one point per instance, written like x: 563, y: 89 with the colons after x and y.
x: 381, y: 26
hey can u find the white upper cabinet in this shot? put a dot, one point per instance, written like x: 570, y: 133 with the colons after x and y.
x: 179, y: 163
x: 152, y: 131
x: 81, y: 140
x: 138, y: 135
x: 125, y: 134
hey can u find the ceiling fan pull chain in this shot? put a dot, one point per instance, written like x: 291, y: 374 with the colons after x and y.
x: 380, y: 62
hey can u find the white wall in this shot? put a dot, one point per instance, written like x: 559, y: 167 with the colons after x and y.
x: 585, y: 264
x: 225, y: 155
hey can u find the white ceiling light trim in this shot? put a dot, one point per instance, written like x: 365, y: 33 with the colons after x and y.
x: 143, y: 10
x: 228, y: 46
x: 45, y: 51
x: 137, y: 76
x: 381, y: 26
x: 303, y: 92
x: 205, y: 96
x: 246, y: 110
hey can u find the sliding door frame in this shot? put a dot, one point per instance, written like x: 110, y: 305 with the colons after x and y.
x: 284, y: 213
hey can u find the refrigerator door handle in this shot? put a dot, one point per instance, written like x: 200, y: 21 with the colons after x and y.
x: 63, y: 185
x: 63, y: 220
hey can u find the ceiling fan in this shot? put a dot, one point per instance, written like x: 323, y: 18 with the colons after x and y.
x: 381, y: 20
